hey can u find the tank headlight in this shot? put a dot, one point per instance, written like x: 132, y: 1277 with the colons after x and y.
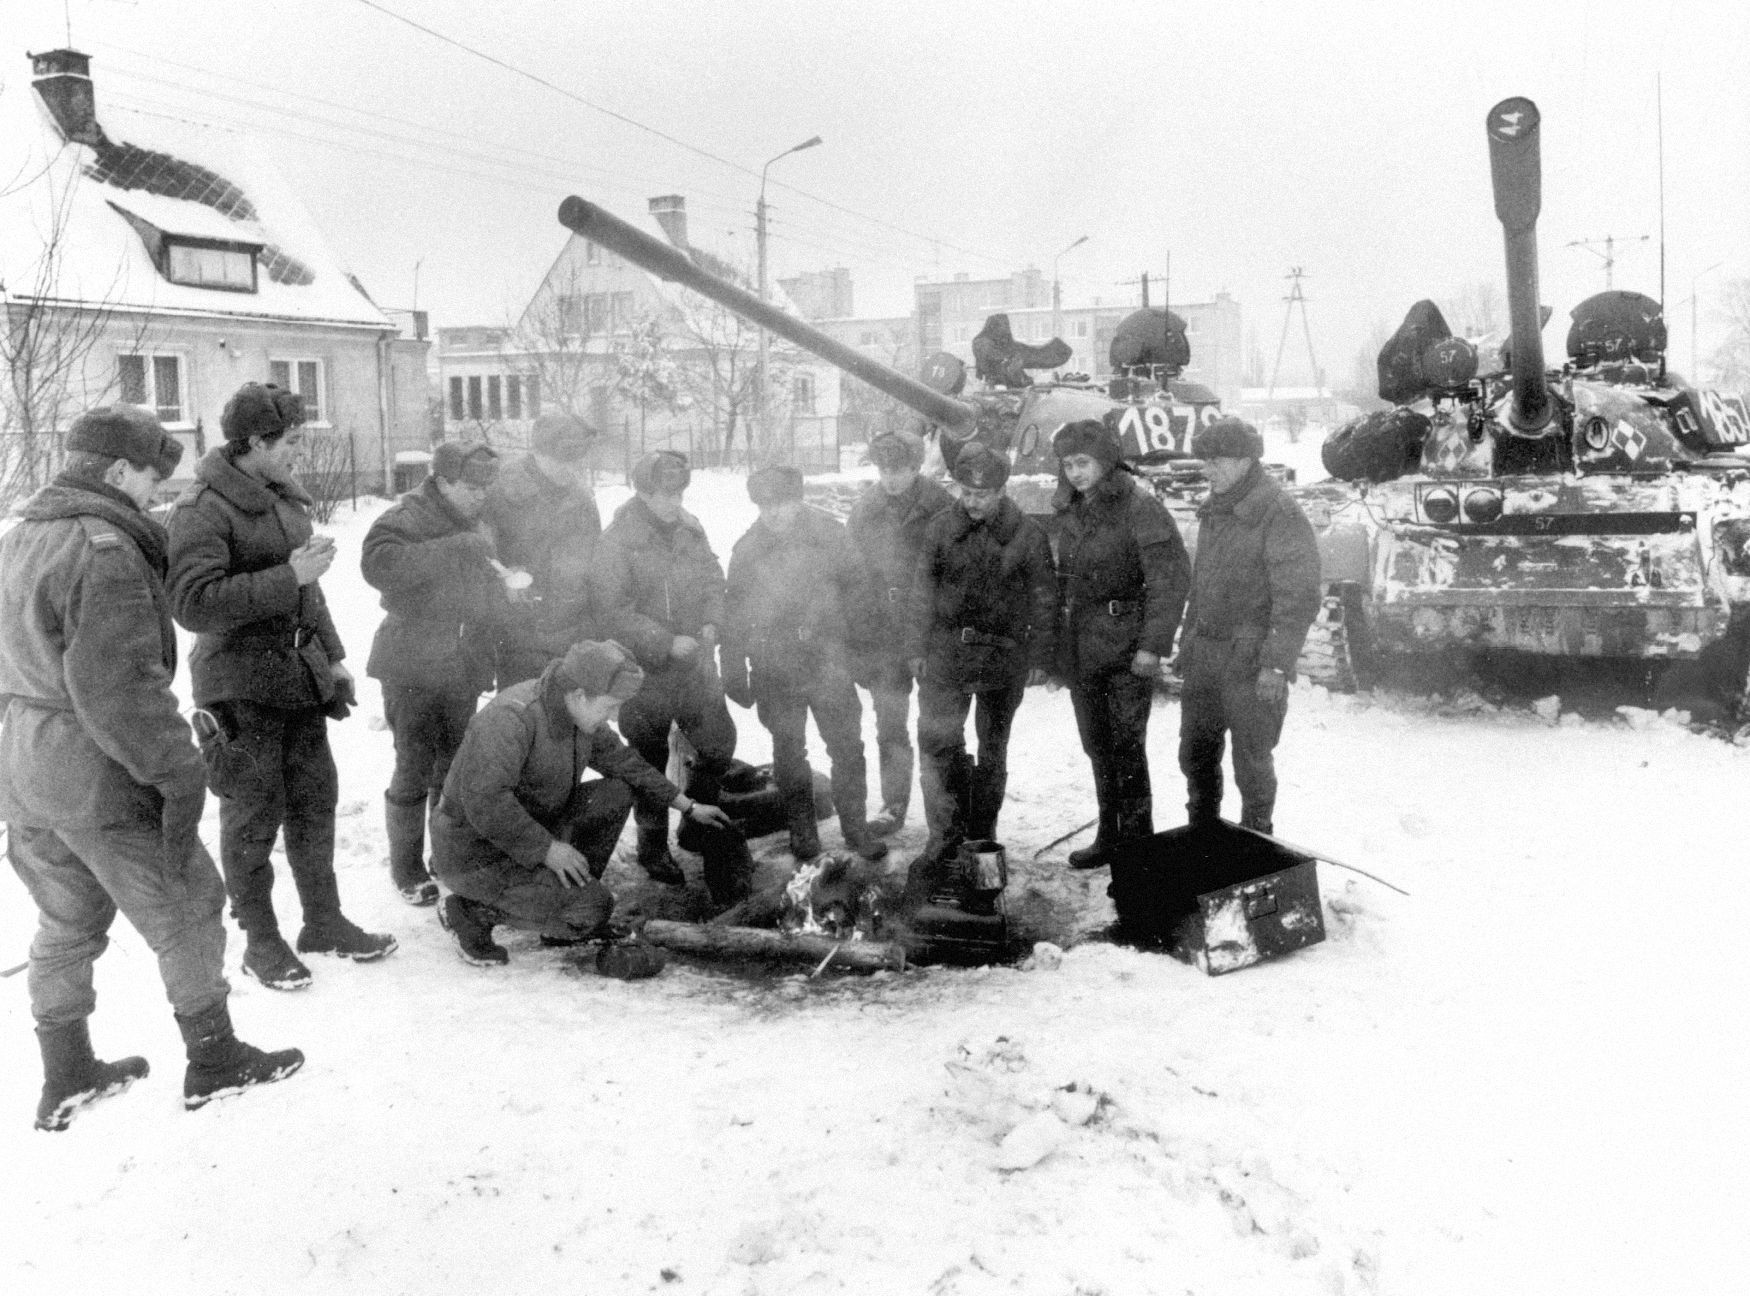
x: 1483, y: 505
x: 1597, y: 434
x: 1440, y: 505
x: 1449, y: 363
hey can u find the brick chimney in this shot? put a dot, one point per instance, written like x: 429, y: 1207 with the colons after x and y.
x: 63, y: 79
x: 670, y: 211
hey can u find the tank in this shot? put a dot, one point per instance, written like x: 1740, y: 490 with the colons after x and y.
x: 1156, y: 410
x: 1599, y: 509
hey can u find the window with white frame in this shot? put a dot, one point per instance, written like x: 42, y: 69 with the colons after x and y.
x: 305, y: 378
x: 210, y: 266
x: 154, y: 380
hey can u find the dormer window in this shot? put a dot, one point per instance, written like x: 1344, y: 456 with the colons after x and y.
x: 208, y: 264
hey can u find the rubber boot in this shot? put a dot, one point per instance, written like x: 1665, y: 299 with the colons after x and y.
x: 986, y: 788
x: 653, y: 856
x: 73, y: 1078
x: 405, y: 825
x: 326, y: 930
x: 1133, y: 820
x: 1093, y: 855
x: 220, y: 1064
x: 799, y: 819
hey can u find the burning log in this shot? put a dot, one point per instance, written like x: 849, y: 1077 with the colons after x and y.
x: 716, y: 941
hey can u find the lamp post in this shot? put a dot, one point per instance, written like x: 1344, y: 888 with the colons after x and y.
x: 1695, y: 318
x: 1057, y: 287
x: 759, y: 229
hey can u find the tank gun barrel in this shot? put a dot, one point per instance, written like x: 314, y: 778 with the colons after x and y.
x: 1516, y: 170
x: 601, y: 227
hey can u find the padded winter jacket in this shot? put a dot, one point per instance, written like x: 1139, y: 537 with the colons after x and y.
x: 652, y: 581
x: 1122, y: 575
x: 791, y: 603
x: 259, y: 635
x: 983, y: 608
x: 442, y: 601
x: 887, y: 535
x: 551, y: 532
x: 89, y: 731
x: 508, y: 786
x: 1257, y: 571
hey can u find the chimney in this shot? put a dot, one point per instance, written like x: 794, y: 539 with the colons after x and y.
x: 670, y: 211
x: 63, y: 79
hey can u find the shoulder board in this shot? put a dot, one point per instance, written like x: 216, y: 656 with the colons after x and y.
x: 103, y: 539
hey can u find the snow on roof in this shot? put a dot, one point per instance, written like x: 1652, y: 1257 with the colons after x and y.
x: 149, y: 176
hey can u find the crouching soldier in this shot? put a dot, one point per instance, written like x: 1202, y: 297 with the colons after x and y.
x: 658, y: 589
x: 517, y: 838
x: 982, y: 620
x: 793, y: 588
x: 887, y: 536
x: 100, y: 783
x: 443, y: 603
x: 1123, y: 572
x: 1254, y: 594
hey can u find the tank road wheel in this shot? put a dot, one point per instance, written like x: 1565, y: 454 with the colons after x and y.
x: 1338, y: 653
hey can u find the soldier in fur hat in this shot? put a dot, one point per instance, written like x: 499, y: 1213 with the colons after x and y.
x: 1254, y: 594
x: 1122, y: 573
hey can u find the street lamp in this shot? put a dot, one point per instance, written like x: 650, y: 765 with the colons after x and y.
x: 1057, y: 287
x: 1695, y: 320
x: 759, y: 228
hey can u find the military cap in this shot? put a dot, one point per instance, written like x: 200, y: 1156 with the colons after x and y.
x: 774, y: 484
x: 980, y: 467
x: 564, y: 437
x: 1227, y: 438
x: 260, y: 409
x: 662, y: 470
x: 599, y: 668
x: 473, y: 462
x: 126, y: 432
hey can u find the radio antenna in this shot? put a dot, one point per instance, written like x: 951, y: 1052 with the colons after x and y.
x: 1659, y: 92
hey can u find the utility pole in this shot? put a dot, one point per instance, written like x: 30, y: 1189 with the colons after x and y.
x: 1147, y: 278
x: 1057, y: 288
x: 1295, y: 275
x: 1609, y: 243
x: 759, y: 230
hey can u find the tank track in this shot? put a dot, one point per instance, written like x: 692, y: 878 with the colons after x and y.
x: 1326, y: 658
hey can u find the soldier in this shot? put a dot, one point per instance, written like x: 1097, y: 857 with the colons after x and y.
x: 887, y: 536
x: 517, y: 838
x: 981, y: 630
x: 244, y: 567
x: 658, y: 589
x: 1122, y: 573
x: 793, y: 589
x: 1254, y: 593
x: 442, y: 605
x: 543, y: 516
x: 100, y: 785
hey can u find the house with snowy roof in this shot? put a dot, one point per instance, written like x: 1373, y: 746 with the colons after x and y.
x: 650, y: 363
x: 164, y: 263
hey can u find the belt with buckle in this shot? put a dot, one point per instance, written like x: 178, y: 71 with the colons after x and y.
x: 970, y: 635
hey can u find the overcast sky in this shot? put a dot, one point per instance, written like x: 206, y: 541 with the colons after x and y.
x: 1239, y: 139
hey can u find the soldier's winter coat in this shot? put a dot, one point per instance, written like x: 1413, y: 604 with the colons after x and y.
x: 887, y: 535
x: 551, y: 532
x: 510, y: 783
x: 259, y: 635
x: 652, y: 581
x: 1257, y: 570
x: 984, y: 606
x: 792, y: 602
x: 441, y: 598
x: 1122, y: 575
x: 90, y: 735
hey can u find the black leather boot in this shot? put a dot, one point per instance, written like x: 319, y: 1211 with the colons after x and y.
x: 654, y: 859
x: 73, y: 1078
x: 220, y: 1064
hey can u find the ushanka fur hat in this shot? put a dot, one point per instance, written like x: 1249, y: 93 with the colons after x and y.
x: 564, y: 437
x: 1227, y: 438
x: 260, y: 409
x: 774, y: 484
x: 663, y: 470
x: 1092, y: 437
x: 126, y: 432
x: 599, y: 668
x: 473, y: 462
x: 980, y: 467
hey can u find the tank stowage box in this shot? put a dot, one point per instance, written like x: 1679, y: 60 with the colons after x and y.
x: 1219, y: 897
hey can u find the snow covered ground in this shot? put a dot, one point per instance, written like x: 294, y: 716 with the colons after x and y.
x: 1527, y: 1076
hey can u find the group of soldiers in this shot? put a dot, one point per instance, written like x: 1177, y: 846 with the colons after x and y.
x: 496, y: 573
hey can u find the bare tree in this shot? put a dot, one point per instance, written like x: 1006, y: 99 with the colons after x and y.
x: 1475, y: 309
x: 550, y: 343
x: 645, y: 372
x: 1731, y: 359
x: 327, y: 472
x: 46, y: 354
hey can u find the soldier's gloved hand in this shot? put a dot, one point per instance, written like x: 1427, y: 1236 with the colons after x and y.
x: 736, y: 684
x: 180, y: 820
x: 568, y: 862
x: 710, y: 816
x: 1272, y: 686
x: 1145, y: 664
